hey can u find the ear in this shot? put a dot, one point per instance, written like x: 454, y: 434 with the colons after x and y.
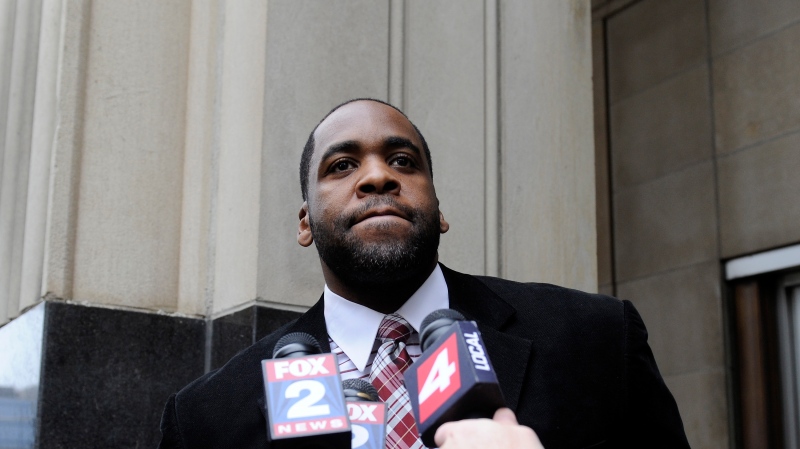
x: 304, y: 237
x: 444, y: 226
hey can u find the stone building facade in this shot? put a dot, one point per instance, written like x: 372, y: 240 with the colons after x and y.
x: 148, y: 182
x: 697, y: 134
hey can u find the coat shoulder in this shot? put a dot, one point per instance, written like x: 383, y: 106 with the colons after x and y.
x: 553, y: 303
x: 230, y: 397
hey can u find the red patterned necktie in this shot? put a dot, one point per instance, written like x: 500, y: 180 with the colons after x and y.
x: 387, y: 377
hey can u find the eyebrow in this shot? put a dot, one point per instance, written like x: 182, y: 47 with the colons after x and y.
x: 350, y: 146
x: 402, y: 142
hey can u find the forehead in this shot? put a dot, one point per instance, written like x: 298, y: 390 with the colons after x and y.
x: 366, y: 122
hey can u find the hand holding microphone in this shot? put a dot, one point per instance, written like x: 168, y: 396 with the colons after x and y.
x: 453, y: 379
x: 453, y: 386
x: 502, y: 432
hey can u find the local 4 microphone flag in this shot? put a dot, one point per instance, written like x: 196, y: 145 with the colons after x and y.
x: 453, y: 380
x: 304, y: 397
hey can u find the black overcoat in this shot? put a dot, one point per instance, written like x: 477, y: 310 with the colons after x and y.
x: 574, y: 366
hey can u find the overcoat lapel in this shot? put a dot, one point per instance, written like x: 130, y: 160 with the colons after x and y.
x: 510, y: 355
x: 313, y: 323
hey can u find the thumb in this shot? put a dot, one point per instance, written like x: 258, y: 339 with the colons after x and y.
x: 505, y: 415
x: 444, y: 432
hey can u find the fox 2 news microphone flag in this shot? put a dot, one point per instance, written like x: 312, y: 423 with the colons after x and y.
x: 453, y: 380
x: 369, y: 424
x: 305, y: 402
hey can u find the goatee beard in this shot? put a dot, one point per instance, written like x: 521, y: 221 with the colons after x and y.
x: 366, y: 264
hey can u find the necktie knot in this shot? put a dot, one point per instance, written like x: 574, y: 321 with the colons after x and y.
x: 391, y: 359
x: 395, y: 328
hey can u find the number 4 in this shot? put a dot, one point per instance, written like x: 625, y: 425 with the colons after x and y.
x: 439, y: 376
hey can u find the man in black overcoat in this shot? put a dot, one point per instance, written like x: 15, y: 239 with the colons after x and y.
x: 574, y: 367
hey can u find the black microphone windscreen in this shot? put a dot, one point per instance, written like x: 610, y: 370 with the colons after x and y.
x: 436, y: 324
x: 296, y: 344
x: 359, y: 390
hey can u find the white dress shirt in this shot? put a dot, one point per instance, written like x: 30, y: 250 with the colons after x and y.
x: 353, y: 328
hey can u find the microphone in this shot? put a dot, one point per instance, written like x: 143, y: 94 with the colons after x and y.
x: 304, y: 397
x: 453, y: 379
x: 367, y: 414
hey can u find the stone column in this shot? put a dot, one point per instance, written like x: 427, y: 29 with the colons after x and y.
x: 547, y: 158
x: 163, y: 193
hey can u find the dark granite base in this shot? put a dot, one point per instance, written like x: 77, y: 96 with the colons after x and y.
x: 235, y: 332
x: 106, y: 374
x: 97, y: 377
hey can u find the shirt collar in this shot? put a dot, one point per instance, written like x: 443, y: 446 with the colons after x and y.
x: 354, y: 327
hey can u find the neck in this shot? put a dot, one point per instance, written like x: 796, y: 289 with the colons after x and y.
x: 384, y: 297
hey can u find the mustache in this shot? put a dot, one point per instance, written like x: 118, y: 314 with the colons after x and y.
x: 376, y: 202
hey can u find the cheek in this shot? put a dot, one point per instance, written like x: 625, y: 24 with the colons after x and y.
x: 425, y: 194
x: 328, y: 204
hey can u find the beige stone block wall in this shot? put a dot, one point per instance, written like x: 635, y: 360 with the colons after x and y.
x: 43, y: 130
x: 128, y: 193
x: 664, y: 199
x: 547, y: 164
x: 670, y: 120
x: 758, y: 197
x: 666, y: 223
x: 169, y: 134
x: 734, y: 23
x: 650, y: 41
x: 194, y: 291
x: 756, y: 91
x: 19, y: 41
x: 237, y: 175
x: 757, y: 116
x: 704, y: 123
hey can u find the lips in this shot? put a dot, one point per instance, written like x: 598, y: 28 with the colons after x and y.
x: 379, y: 207
x: 382, y: 212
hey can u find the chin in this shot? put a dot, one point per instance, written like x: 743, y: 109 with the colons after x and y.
x: 383, y: 277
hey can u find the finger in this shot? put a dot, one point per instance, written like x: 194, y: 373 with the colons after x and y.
x: 443, y: 433
x: 505, y: 415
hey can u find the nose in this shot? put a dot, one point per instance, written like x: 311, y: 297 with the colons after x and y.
x: 377, y: 178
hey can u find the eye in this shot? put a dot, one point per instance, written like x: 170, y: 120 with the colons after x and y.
x: 402, y: 161
x: 342, y: 165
